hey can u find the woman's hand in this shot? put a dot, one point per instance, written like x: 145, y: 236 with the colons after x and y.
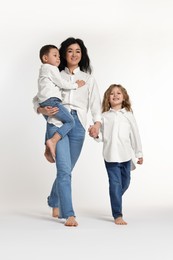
x: 47, y: 111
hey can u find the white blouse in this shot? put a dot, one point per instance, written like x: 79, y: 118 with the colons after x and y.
x: 120, y: 136
x: 82, y: 99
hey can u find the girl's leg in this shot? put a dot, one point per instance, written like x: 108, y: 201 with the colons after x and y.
x: 125, y: 178
x: 115, y: 188
x: 125, y: 174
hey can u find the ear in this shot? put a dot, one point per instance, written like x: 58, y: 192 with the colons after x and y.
x: 45, y: 58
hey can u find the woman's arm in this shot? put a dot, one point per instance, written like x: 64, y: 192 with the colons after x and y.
x: 47, y: 111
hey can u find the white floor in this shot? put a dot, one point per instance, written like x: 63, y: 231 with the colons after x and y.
x: 33, y: 234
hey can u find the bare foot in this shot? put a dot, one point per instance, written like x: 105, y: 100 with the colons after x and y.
x: 48, y: 155
x: 55, y: 212
x: 71, y: 222
x: 51, y: 144
x: 120, y: 221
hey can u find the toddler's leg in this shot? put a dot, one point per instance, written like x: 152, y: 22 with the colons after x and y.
x: 51, y: 144
x: 48, y: 155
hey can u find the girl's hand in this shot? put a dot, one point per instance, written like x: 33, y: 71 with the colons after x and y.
x: 94, y: 130
x: 47, y: 111
x: 140, y: 160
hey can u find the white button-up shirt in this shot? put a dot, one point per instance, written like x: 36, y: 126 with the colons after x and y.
x: 82, y: 99
x: 51, y: 83
x: 120, y: 136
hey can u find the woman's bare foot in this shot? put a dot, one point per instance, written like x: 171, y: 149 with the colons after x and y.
x: 55, y: 212
x: 120, y: 221
x: 71, y: 222
x: 48, y: 155
x: 51, y: 144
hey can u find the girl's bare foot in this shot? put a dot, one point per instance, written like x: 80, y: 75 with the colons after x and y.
x: 55, y: 212
x: 51, y: 144
x: 120, y: 221
x: 71, y: 222
x: 48, y: 155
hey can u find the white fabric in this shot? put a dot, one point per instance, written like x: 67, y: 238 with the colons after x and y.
x: 120, y: 136
x: 50, y: 83
x: 82, y: 99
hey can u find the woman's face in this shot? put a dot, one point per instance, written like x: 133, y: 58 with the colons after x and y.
x: 73, y: 55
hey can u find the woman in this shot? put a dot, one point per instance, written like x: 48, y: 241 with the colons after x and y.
x: 75, y: 64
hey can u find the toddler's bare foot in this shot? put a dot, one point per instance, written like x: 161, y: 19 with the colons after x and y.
x: 71, y: 222
x: 55, y: 212
x: 120, y: 221
x: 48, y: 155
x: 51, y: 144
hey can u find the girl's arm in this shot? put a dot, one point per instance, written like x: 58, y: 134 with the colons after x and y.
x: 94, y: 129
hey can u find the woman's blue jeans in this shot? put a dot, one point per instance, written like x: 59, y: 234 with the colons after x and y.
x: 67, y: 153
x: 119, y: 180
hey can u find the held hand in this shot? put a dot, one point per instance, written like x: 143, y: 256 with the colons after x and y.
x: 94, y: 130
x: 140, y: 160
x: 47, y: 111
x: 80, y: 83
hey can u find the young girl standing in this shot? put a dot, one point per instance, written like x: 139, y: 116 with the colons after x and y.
x: 121, y: 144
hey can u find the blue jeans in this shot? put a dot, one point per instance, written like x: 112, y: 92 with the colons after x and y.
x: 67, y: 153
x: 119, y: 180
x: 63, y: 115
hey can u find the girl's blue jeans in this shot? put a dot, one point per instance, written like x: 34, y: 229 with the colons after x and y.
x: 119, y: 180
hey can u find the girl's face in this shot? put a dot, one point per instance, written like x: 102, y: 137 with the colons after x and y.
x: 116, y: 98
x: 73, y: 55
x: 52, y: 57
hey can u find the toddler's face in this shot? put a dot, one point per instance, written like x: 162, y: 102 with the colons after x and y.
x: 53, y: 57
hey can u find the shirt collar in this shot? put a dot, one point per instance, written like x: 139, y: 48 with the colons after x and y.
x: 122, y: 110
x: 74, y: 72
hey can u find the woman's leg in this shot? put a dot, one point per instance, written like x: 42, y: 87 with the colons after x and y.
x: 75, y: 138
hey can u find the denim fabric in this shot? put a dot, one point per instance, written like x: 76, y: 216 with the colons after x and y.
x: 119, y: 180
x: 67, y: 153
x: 63, y: 115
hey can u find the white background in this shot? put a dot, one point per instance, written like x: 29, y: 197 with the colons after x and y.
x: 129, y: 42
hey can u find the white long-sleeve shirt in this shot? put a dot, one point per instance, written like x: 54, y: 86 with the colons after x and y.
x: 50, y: 83
x: 120, y: 136
x: 82, y: 99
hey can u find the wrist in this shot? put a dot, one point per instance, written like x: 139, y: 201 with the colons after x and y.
x: 39, y: 110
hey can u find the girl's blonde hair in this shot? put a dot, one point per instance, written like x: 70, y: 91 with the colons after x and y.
x: 106, y: 104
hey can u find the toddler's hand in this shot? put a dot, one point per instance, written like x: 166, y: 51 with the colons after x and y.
x: 80, y: 83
